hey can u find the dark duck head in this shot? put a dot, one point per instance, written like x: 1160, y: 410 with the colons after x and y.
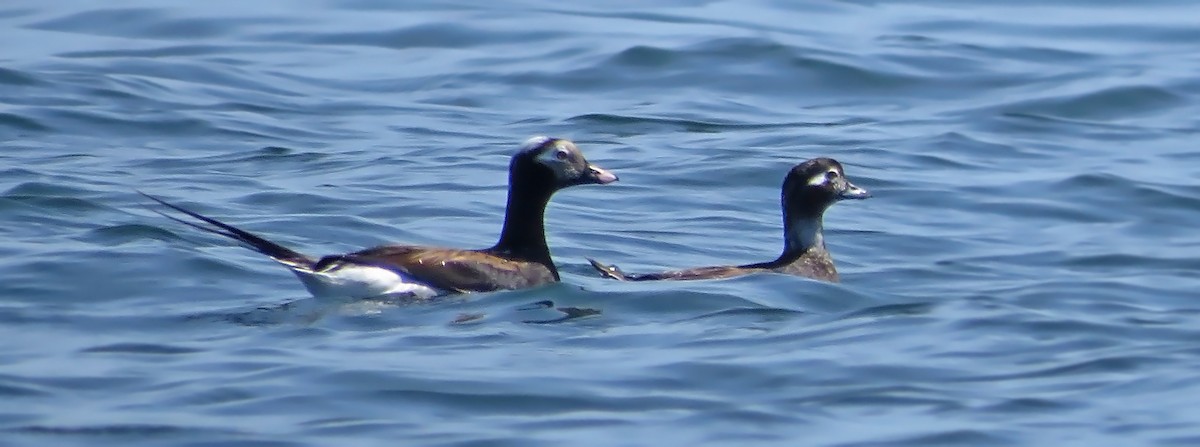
x: 542, y: 166
x: 808, y: 190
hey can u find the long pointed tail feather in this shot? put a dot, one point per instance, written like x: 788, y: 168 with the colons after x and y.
x: 275, y: 251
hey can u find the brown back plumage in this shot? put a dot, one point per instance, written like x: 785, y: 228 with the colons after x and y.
x: 449, y: 269
x: 519, y: 259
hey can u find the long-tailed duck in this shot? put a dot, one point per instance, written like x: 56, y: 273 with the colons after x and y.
x: 520, y: 259
x: 808, y: 189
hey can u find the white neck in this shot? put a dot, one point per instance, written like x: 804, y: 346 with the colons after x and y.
x: 802, y: 234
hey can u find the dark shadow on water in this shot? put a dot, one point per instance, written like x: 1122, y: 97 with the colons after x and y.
x: 469, y: 310
x: 889, y: 310
x: 764, y: 313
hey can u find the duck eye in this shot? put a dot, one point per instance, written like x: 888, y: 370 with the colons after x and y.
x: 561, y: 154
x: 831, y: 175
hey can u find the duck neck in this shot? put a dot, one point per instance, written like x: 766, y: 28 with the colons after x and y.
x: 524, y: 236
x: 802, y: 234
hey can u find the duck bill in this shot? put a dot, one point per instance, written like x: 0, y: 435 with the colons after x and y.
x: 852, y: 192
x: 600, y: 176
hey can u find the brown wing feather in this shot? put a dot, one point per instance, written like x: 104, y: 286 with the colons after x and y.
x: 453, y: 269
x: 696, y: 273
x: 614, y: 272
x: 815, y: 264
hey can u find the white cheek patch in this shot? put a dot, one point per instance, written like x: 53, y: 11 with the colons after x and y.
x: 821, y: 179
x: 562, y: 167
x: 549, y: 157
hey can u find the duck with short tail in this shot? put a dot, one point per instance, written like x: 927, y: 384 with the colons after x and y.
x: 809, y: 189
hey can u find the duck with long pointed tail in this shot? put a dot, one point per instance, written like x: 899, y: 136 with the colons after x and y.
x: 520, y: 259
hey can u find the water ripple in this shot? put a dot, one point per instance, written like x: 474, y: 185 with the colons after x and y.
x: 1025, y: 269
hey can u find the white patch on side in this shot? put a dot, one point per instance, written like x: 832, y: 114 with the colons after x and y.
x: 357, y: 282
x: 822, y: 178
x: 804, y: 234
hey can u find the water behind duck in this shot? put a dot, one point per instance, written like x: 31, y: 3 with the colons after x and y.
x: 1028, y: 278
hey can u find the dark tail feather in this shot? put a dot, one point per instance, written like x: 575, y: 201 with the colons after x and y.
x: 256, y: 243
x: 608, y: 271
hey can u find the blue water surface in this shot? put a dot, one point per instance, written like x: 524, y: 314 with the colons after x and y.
x: 1025, y: 274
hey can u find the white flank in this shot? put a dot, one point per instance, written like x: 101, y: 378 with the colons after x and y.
x: 356, y: 282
